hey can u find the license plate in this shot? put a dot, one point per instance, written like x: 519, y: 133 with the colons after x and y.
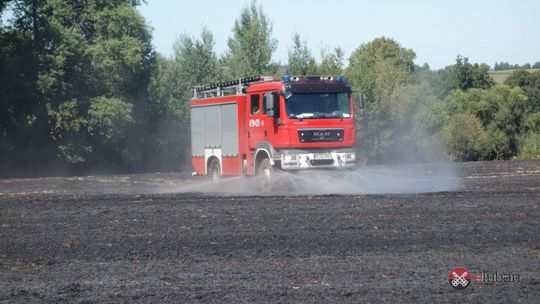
x: 323, y: 156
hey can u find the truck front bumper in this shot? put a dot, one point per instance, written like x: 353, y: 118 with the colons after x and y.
x: 302, y: 159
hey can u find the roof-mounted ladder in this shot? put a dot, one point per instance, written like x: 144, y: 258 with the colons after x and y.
x: 228, y: 87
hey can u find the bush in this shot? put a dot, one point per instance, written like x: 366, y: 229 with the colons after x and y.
x: 501, y: 110
x: 529, y: 146
x: 495, y: 145
x: 464, y: 135
x: 532, y: 122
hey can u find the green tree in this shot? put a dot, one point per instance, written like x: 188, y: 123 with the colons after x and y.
x: 378, y: 69
x: 165, y: 89
x: 23, y: 131
x: 502, y: 66
x: 520, y: 78
x: 529, y: 139
x: 251, y: 45
x: 300, y: 60
x: 75, y: 54
x: 168, y: 117
x: 171, y: 88
x: 332, y: 62
x: 495, y: 144
x: 423, y: 73
x: 464, y: 134
x: 529, y: 146
x: 411, y: 131
x: 463, y: 76
x: 500, y: 109
x: 197, y: 63
x: 529, y: 85
x: 109, y: 117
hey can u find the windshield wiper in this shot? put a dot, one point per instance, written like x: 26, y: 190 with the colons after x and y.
x: 334, y: 114
x: 305, y: 115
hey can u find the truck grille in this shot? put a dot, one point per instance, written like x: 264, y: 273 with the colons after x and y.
x: 320, y: 135
x: 321, y: 162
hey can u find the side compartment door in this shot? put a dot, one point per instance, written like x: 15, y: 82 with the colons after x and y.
x: 232, y: 161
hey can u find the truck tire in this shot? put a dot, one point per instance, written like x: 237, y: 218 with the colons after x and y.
x: 214, y: 170
x: 265, y: 171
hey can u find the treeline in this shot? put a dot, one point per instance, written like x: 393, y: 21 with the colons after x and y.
x: 502, y: 66
x: 83, y: 91
x: 418, y: 113
x: 75, y: 91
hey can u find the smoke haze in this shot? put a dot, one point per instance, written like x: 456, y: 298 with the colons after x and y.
x: 379, y: 179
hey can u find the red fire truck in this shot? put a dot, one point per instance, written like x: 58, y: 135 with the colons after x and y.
x: 257, y: 125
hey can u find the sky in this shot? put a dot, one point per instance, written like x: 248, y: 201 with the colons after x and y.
x: 438, y: 31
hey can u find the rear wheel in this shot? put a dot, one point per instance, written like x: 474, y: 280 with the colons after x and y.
x: 214, y: 170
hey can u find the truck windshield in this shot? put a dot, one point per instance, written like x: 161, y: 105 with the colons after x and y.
x: 318, y: 105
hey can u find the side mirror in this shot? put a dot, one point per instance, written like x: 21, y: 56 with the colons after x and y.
x: 270, y: 103
x: 287, y: 93
x: 361, y: 105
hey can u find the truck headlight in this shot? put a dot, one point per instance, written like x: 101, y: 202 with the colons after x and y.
x: 290, y: 157
x: 350, y: 157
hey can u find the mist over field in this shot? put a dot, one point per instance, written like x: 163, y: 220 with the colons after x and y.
x: 378, y: 179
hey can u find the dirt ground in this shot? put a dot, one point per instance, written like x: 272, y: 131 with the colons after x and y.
x: 163, y: 238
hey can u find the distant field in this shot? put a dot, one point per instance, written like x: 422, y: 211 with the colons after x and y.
x: 500, y: 76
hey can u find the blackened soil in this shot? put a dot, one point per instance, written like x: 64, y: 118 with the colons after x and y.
x: 78, y: 246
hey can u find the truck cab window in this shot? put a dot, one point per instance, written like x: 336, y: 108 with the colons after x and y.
x: 255, y: 104
x: 318, y: 105
x: 275, y: 96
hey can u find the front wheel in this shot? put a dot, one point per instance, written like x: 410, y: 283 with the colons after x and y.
x: 265, y: 171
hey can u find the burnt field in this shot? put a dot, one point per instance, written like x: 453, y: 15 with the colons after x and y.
x: 160, y: 238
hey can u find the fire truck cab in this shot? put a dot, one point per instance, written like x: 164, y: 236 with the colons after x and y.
x: 257, y: 125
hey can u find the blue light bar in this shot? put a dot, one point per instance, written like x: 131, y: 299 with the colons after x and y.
x: 340, y: 78
x: 286, y: 78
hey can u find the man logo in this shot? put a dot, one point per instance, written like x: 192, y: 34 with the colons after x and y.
x: 459, y: 278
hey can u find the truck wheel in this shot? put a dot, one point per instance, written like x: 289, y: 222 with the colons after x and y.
x: 266, y: 171
x: 214, y: 170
